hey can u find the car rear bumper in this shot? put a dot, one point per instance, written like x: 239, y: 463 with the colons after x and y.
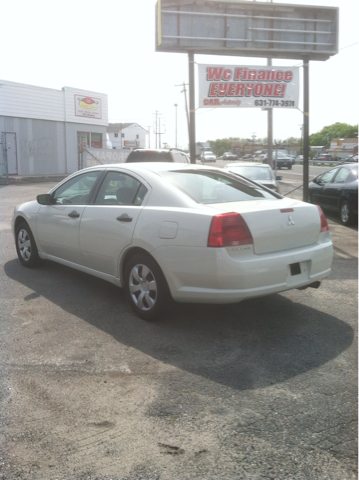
x: 211, y: 275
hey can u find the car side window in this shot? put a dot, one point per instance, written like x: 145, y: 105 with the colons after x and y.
x: 342, y: 176
x: 328, y: 177
x: 77, y: 190
x: 120, y: 189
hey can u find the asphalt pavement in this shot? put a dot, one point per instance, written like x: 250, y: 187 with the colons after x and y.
x: 264, y: 389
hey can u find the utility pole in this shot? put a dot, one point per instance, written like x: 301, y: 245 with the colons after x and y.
x: 253, y: 138
x: 270, y: 115
x: 186, y: 107
x: 156, y: 125
x: 192, y: 109
x: 176, y: 125
x: 270, y: 129
x: 306, y: 128
x: 149, y: 137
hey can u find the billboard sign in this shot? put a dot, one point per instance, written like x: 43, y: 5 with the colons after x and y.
x: 238, y: 86
x: 248, y: 29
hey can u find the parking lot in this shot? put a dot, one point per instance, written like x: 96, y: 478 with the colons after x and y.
x: 263, y: 389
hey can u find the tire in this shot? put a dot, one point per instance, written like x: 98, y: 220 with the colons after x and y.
x: 26, y: 246
x: 346, y: 215
x: 146, y: 287
x: 310, y: 198
x: 290, y: 167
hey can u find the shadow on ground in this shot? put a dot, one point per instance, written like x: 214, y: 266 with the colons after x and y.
x: 251, y: 344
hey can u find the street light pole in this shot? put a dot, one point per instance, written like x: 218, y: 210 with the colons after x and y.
x: 176, y: 125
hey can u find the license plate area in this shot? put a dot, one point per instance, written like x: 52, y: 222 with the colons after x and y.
x: 295, y: 269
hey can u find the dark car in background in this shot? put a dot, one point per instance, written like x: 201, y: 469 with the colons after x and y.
x: 229, y: 156
x: 351, y: 159
x: 326, y: 157
x: 157, y: 155
x: 280, y: 160
x: 337, y: 190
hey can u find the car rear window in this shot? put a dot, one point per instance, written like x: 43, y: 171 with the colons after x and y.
x: 148, y: 156
x: 211, y: 187
x: 254, y: 173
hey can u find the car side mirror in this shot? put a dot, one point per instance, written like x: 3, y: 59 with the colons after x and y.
x: 279, y: 177
x: 44, y: 199
x: 316, y: 180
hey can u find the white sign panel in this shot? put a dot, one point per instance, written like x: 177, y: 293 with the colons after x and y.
x: 104, y: 155
x: 88, y: 106
x: 234, y: 86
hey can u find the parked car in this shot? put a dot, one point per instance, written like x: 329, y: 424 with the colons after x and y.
x: 208, y: 156
x: 281, y: 160
x: 258, y: 172
x: 173, y: 231
x: 337, y: 190
x: 158, y: 155
x: 351, y: 159
x: 229, y: 156
x: 247, y: 155
x: 324, y: 157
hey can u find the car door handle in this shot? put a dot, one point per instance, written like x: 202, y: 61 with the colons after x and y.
x: 124, y: 218
x: 74, y: 214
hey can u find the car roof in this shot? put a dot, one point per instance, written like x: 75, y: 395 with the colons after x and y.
x: 152, y: 166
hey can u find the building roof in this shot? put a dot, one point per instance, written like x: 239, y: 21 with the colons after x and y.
x: 346, y: 140
x: 117, y: 127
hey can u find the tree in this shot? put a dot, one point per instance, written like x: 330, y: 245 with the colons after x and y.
x: 292, y: 141
x: 220, y: 146
x: 337, y: 130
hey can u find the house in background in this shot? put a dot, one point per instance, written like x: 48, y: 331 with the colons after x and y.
x: 126, y: 136
x: 342, y: 147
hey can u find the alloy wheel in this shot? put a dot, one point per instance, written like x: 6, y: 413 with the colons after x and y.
x: 24, y: 244
x: 143, y: 287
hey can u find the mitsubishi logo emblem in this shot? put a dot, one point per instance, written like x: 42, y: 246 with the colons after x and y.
x: 290, y: 220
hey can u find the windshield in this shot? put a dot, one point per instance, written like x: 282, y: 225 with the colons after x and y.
x: 214, y: 187
x: 254, y: 173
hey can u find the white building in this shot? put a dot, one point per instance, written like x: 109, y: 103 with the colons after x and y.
x: 43, y: 131
x: 126, y: 136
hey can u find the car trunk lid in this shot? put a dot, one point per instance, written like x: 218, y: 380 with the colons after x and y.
x: 276, y: 225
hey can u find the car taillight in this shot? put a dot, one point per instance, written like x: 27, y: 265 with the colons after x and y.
x: 323, y: 221
x: 229, y: 230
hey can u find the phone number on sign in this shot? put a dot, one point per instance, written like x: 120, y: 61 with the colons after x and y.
x: 274, y: 103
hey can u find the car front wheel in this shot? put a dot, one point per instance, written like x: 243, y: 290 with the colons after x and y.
x: 25, y: 246
x: 146, y: 287
x: 346, y: 214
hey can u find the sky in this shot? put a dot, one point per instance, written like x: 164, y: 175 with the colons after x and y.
x: 109, y: 47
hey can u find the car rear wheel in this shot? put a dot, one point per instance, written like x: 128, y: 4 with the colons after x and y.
x: 311, y: 199
x: 146, y: 287
x: 346, y: 215
x: 289, y: 167
x: 25, y: 246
